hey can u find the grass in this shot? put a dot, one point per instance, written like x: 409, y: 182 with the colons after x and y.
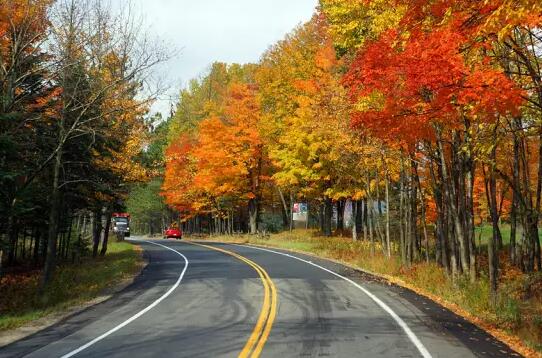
x: 516, y: 317
x: 20, y: 302
x: 484, y: 232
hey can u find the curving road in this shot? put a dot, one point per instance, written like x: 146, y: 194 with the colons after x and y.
x: 224, y: 300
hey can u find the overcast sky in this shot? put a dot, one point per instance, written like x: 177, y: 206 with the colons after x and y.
x: 204, y: 31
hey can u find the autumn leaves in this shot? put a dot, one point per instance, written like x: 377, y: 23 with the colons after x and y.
x: 412, y: 103
x: 223, y: 165
x: 72, y: 123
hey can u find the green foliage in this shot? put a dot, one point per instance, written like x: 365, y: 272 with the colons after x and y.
x: 152, y: 157
x: 145, y: 204
x: 509, y: 311
x: 271, y: 222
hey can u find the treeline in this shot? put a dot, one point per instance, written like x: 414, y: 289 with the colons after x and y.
x: 423, y: 116
x: 148, y: 211
x: 74, y: 91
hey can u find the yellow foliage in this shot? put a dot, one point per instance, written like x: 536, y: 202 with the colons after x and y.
x: 353, y: 22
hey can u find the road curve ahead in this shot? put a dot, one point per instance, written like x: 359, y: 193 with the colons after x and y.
x: 223, y: 300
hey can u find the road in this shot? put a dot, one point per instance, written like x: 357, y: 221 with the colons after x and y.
x: 224, y: 300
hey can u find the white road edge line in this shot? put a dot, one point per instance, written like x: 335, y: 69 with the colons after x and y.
x: 140, y: 313
x: 413, y: 338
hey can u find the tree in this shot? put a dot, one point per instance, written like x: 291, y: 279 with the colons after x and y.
x: 426, y: 88
x: 222, y: 102
x: 98, y: 68
x: 25, y: 98
x: 230, y: 153
x: 147, y: 209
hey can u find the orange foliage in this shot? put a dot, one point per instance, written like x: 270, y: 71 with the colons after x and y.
x: 224, y: 162
x: 179, y: 175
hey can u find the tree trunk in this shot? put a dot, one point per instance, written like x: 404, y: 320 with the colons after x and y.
x: 466, y: 180
x: 50, y: 259
x: 514, y: 209
x: 402, y: 222
x: 378, y: 215
x: 388, y: 243
x: 321, y: 215
x: 11, y: 230
x: 457, y: 195
x: 535, y: 236
x: 370, y: 216
x: 415, y: 249
x: 364, y: 218
x: 328, y: 215
x: 340, y: 215
x: 36, y: 252
x: 354, y: 224
x: 291, y: 211
x: 253, y: 215
x: 456, y: 230
x: 308, y: 216
x: 106, y: 233
x: 441, y: 249
x: 357, y: 213
x: 471, y: 240
x: 408, y: 221
x: 424, y: 223
x: 96, y: 231
x: 286, y: 217
x: 492, y: 252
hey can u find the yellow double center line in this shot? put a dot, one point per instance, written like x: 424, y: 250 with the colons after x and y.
x: 256, y: 341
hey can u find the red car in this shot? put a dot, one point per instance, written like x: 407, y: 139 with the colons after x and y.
x: 173, y: 232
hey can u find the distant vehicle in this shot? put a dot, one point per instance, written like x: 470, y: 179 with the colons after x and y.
x: 173, y: 232
x: 121, y: 224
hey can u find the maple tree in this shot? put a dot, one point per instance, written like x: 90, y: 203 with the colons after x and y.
x: 428, y: 86
x: 230, y: 152
x: 220, y: 155
x: 353, y: 23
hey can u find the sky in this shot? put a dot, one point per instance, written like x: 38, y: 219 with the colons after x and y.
x: 204, y: 31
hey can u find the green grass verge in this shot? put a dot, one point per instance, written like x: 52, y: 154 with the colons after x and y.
x: 20, y: 302
x: 484, y: 232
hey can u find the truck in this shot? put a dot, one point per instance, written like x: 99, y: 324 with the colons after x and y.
x: 121, y: 224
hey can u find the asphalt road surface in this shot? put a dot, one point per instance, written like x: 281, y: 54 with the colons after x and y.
x: 225, y: 300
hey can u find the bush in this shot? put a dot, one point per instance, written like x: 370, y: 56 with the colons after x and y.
x: 271, y: 223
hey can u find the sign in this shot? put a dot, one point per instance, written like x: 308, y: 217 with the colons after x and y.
x: 299, y: 212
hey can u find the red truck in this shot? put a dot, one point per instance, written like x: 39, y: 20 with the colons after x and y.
x: 121, y: 223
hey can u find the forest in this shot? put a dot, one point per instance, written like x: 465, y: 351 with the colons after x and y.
x: 430, y: 108
x: 422, y: 117
x: 75, y: 88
